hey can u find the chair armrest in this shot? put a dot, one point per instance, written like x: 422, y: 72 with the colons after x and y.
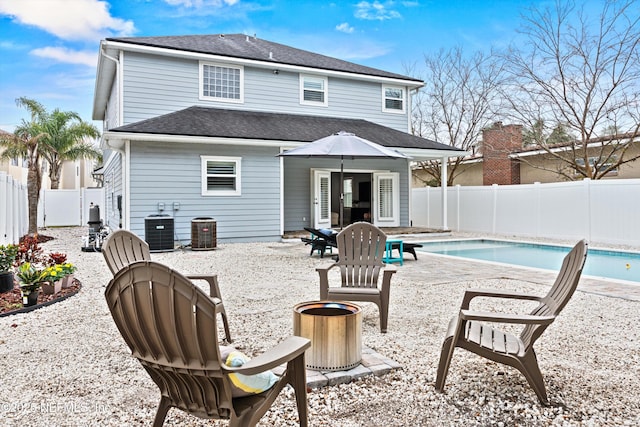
x: 388, y: 271
x: 212, y: 280
x: 469, y: 294
x: 325, y: 268
x: 323, y: 272
x: 284, y: 352
x: 486, y: 316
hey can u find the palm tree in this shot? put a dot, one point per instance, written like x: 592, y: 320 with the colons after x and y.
x: 25, y: 142
x: 65, y: 140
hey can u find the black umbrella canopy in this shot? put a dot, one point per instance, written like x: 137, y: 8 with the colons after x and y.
x: 344, y: 145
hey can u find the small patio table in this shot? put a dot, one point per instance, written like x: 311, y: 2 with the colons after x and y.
x: 388, y: 253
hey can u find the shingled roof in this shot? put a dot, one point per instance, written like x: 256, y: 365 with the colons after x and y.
x: 214, y: 122
x: 246, y: 47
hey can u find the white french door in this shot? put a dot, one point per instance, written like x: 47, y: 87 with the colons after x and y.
x: 321, y: 199
x: 386, y: 199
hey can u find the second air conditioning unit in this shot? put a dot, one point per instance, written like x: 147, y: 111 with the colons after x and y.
x: 203, y: 234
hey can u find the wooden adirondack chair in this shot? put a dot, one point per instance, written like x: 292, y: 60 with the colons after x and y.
x: 361, y: 248
x: 170, y: 326
x: 468, y: 331
x: 123, y: 247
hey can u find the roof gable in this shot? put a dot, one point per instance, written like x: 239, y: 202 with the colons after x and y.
x: 252, y: 48
x: 214, y: 122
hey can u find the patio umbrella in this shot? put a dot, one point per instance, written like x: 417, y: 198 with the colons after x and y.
x: 344, y: 145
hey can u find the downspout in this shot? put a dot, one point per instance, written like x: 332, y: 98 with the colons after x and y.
x: 123, y: 152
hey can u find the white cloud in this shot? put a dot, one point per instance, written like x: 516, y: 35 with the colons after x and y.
x: 345, y: 28
x: 69, y: 56
x: 69, y: 20
x: 376, y: 11
x: 197, y: 4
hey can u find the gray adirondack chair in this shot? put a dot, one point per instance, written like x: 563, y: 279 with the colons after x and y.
x: 122, y: 247
x: 170, y: 326
x: 361, y: 249
x: 468, y: 331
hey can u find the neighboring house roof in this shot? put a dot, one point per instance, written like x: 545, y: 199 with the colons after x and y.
x: 535, y: 150
x: 246, y: 47
x: 214, y: 122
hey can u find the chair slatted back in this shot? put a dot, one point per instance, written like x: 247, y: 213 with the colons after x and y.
x: 122, y: 248
x: 170, y: 326
x: 558, y: 296
x: 360, y: 252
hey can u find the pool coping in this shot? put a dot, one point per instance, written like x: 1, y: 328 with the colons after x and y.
x: 502, y: 264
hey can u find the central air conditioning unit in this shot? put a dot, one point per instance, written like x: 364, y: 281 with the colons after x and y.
x: 203, y: 234
x: 158, y: 233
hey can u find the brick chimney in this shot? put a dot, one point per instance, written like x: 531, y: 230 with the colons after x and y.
x: 498, y: 142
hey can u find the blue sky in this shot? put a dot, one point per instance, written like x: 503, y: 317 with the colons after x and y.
x: 49, y: 48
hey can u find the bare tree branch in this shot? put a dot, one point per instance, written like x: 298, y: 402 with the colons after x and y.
x: 582, y: 73
x: 459, y: 99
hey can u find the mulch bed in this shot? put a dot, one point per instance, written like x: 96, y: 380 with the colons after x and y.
x: 11, y: 302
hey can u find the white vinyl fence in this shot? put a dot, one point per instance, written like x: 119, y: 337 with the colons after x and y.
x: 14, y: 217
x: 55, y: 208
x: 606, y: 211
x: 58, y: 208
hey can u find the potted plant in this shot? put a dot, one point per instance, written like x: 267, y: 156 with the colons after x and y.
x: 8, y: 255
x: 51, y: 279
x: 68, y: 269
x: 30, y: 280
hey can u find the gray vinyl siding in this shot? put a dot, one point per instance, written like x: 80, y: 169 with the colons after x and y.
x: 156, y: 85
x: 112, y: 119
x: 112, y: 189
x: 298, y: 191
x: 168, y: 173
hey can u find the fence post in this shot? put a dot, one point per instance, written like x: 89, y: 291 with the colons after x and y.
x: 538, y: 211
x: 428, y: 207
x: 457, y: 207
x: 3, y: 209
x: 587, y: 208
x: 494, y: 213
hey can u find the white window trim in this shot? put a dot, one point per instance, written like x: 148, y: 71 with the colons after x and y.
x: 203, y: 176
x: 384, y: 98
x: 213, y: 98
x: 326, y: 90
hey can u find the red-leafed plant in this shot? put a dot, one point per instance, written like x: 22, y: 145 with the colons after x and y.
x: 29, y: 251
x: 56, y: 258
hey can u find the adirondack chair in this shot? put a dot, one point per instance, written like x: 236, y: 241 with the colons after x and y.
x: 170, y: 327
x: 123, y: 247
x: 361, y: 248
x: 468, y: 331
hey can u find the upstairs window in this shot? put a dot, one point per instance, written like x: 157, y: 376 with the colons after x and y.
x: 220, y: 176
x: 221, y: 82
x: 313, y: 90
x: 393, y: 99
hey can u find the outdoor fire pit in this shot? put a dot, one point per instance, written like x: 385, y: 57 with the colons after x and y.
x: 335, y: 331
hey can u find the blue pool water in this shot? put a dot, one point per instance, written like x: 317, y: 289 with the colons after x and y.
x: 600, y: 263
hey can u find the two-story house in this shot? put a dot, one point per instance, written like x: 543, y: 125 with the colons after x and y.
x: 193, y: 126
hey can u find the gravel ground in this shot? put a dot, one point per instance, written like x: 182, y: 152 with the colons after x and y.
x: 66, y: 364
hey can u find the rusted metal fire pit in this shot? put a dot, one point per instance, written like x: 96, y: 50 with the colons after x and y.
x: 335, y: 331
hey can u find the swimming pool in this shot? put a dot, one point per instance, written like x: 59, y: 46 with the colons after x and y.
x: 600, y: 263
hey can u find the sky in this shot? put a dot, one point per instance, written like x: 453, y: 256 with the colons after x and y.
x: 49, y: 48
